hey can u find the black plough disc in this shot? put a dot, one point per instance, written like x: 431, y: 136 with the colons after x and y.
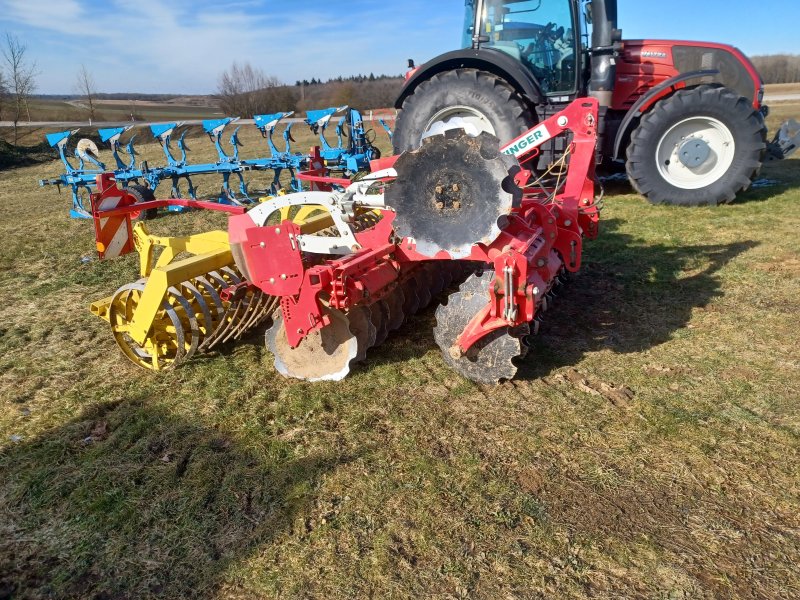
x: 450, y: 192
x: 492, y: 359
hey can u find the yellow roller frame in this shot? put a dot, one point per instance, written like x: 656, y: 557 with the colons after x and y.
x: 211, y: 251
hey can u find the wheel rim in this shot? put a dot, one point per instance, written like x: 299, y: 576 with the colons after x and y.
x: 695, y: 153
x: 467, y: 114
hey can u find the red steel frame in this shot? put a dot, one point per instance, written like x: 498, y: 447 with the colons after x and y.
x: 316, y: 175
x: 107, y: 221
x: 539, y: 239
x: 319, y: 181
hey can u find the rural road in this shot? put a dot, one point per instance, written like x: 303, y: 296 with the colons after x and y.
x: 781, y: 98
x: 101, y: 124
x: 795, y: 97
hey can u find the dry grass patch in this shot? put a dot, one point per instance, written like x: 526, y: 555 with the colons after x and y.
x: 648, y: 449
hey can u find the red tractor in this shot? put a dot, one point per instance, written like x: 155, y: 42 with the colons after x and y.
x: 686, y: 118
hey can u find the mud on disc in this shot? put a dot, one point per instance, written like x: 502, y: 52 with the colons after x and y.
x: 450, y: 192
x: 324, y: 355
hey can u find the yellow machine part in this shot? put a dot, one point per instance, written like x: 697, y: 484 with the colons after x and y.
x: 177, y: 307
x: 297, y: 214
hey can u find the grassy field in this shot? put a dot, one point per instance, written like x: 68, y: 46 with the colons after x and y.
x: 190, y: 107
x: 783, y: 88
x: 649, y: 447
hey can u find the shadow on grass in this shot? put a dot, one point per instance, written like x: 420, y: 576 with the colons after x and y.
x: 628, y: 297
x: 126, y: 501
x: 24, y: 156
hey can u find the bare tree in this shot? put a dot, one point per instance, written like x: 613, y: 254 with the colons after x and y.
x: 245, y: 91
x: 84, y: 85
x: 22, y: 78
x: 778, y: 68
x: 3, y: 94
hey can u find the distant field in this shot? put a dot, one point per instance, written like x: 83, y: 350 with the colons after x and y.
x: 185, y: 107
x: 779, y: 113
x: 783, y: 88
x: 118, y: 110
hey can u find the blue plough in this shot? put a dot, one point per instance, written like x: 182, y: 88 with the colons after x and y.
x: 352, y: 153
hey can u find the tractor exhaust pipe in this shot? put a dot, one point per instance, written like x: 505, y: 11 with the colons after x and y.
x: 605, y: 36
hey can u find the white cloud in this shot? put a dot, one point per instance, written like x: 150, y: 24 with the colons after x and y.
x: 182, y: 46
x: 53, y: 15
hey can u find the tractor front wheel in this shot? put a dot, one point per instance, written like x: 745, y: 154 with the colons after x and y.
x: 479, y: 99
x: 699, y: 146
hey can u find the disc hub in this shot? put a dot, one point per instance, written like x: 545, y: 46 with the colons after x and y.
x: 694, y: 152
x: 449, y: 193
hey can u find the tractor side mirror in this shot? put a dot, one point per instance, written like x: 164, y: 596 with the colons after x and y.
x: 411, y: 64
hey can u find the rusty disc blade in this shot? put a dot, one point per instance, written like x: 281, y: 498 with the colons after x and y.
x: 491, y: 359
x: 410, y: 297
x: 379, y: 315
x: 363, y: 329
x: 324, y: 355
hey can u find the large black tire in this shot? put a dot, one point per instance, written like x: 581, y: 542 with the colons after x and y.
x: 474, y: 90
x: 669, y: 180
x: 143, y: 194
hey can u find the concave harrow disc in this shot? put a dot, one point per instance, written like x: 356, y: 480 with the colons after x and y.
x: 329, y: 353
x: 456, y: 188
x: 491, y: 359
x: 192, y: 316
x: 323, y: 355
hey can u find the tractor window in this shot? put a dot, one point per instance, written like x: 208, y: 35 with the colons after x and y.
x: 540, y: 34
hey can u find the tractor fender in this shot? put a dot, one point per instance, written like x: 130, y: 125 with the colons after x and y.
x: 647, y: 100
x: 485, y: 59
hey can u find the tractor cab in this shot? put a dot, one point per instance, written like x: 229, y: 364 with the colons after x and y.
x: 540, y: 34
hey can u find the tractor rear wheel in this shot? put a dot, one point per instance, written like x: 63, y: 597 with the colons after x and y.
x: 699, y: 146
x: 481, y: 99
x: 143, y: 194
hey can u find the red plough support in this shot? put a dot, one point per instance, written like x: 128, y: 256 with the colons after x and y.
x: 539, y: 239
x: 113, y: 209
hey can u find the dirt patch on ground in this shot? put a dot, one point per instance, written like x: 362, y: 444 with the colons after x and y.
x: 698, y: 545
x: 618, y: 395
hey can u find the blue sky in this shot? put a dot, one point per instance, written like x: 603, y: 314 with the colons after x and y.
x: 182, y: 46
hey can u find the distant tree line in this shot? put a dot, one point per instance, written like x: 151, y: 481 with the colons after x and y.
x: 340, y: 79
x: 778, y: 68
x: 244, y: 91
x: 3, y: 93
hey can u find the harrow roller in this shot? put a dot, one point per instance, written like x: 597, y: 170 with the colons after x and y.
x: 166, y: 346
x: 182, y: 306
